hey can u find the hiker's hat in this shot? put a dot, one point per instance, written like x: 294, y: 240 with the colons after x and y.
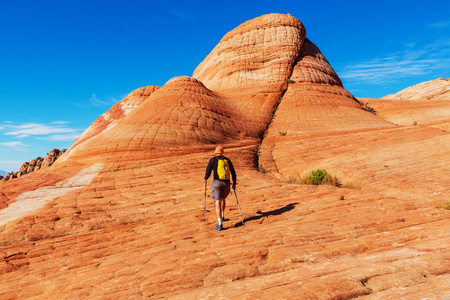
x: 219, y: 150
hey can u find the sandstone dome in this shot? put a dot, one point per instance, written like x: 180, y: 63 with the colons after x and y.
x: 437, y: 89
x: 120, y: 214
x: 424, y: 104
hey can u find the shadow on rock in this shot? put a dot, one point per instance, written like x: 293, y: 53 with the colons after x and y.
x: 275, y: 212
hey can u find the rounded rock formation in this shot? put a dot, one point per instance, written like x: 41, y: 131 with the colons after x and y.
x: 125, y: 213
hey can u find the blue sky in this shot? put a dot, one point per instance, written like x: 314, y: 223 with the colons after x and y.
x: 64, y: 63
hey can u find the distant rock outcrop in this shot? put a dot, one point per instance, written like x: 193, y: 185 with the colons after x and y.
x: 424, y: 104
x: 36, y: 164
x: 437, y: 89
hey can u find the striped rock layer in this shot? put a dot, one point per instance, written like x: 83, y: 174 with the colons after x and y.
x: 424, y: 104
x: 125, y: 212
x: 437, y: 89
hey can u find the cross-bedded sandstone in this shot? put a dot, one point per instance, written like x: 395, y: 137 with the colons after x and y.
x: 126, y: 219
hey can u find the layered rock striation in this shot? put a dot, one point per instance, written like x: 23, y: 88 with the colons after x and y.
x: 424, y: 104
x: 437, y: 89
x: 122, y: 213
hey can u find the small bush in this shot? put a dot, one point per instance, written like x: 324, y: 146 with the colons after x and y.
x: 261, y: 169
x: 446, y: 205
x: 291, y: 81
x: 321, y: 176
x: 293, y: 179
x: 317, y: 177
x: 283, y: 133
x: 368, y: 108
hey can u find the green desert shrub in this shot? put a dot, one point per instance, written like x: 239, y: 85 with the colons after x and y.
x: 261, y: 168
x: 317, y: 177
x: 368, y: 108
x: 446, y: 205
x: 321, y: 176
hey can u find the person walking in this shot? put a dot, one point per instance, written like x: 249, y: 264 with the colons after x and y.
x: 220, y: 187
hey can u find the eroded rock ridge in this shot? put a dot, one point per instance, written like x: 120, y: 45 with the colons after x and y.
x: 36, y: 164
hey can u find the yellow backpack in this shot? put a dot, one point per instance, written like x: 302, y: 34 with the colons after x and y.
x: 223, y: 169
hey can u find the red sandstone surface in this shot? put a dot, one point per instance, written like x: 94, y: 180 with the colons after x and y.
x: 120, y: 214
x: 424, y: 104
x: 437, y: 89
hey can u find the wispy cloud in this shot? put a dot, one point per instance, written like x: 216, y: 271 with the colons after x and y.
x: 441, y: 24
x: 181, y: 14
x: 60, y: 122
x: 56, y: 131
x: 95, y: 101
x: 385, y: 68
x: 413, y: 61
x: 19, y: 146
x: 62, y: 137
x: 30, y: 129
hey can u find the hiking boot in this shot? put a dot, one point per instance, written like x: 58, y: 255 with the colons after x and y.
x: 225, y: 219
x: 219, y: 227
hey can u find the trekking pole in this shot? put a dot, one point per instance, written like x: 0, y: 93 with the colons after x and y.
x: 204, y: 206
x: 235, y: 195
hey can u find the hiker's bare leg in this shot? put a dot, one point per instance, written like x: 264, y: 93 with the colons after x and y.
x: 218, y: 208
x: 223, y: 209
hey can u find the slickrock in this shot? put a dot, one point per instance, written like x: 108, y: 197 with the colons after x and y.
x: 109, y: 119
x: 437, y: 89
x: 120, y: 214
x: 431, y: 113
x: 259, y: 52
x: 424, y: 104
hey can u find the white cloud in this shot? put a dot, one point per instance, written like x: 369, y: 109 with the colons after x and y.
x: 60, y: 122
x: 415, y: 60
x: 94, y: 100
x: 25, y: 130
x: 97, y: 102
x: 55, y: 131
x: 62, y: 137
x: 14, y: 145
x: 442, y: 24
x: 390, y: 67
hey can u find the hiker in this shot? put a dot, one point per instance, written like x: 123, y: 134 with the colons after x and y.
x: 220, y: 187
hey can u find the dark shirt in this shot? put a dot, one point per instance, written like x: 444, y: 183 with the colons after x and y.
x: 212, y: 166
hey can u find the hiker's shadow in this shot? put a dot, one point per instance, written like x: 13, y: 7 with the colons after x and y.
x: 274, y: 212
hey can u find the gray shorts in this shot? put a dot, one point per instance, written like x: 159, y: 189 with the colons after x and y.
x: 220, y: 189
